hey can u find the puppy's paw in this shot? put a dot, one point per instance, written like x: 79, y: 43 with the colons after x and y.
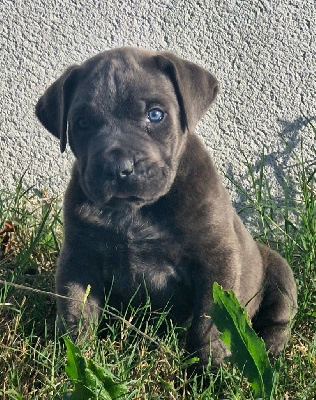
x: 219, y: 352
x: 212, y: 353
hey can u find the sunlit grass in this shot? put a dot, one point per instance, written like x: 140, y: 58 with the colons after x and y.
x: 152, y: 365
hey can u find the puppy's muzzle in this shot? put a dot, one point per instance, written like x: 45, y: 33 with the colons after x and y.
x: 119, y: 172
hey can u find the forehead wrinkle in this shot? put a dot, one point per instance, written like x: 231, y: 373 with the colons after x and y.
x: 110, y: 82
x: 122, y: 80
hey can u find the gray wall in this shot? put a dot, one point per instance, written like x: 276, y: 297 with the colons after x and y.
x: 262, y: 52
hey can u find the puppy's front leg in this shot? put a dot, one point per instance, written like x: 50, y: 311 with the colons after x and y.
x: 203, y: 336
x: 75, y: 272
x: 203, y: 340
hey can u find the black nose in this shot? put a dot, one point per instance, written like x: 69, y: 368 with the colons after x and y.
x: 124, y: 168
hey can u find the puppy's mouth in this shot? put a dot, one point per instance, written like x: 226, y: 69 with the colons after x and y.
x: 113, y: 194
x: 120, y: 201
x: 131, y: 199
x: 125, y: 193
x: 125, y: 196
x: 143, y: 185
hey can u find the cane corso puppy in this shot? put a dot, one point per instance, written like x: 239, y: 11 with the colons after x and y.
x: 145, y: 211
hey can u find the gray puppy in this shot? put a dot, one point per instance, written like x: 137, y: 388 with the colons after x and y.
x: 145, y: 211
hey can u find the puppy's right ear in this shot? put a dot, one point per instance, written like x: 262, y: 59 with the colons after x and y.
x: 52, y: 107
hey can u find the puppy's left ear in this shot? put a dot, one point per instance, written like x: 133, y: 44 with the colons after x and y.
x: 196, y: 88
x: 52, y: 108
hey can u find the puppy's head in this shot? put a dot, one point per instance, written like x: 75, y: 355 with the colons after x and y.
x: 127, y: 113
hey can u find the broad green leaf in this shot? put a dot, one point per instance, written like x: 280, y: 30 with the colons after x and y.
x: 73, y: 352
x: 107, y: 379
x: 90, y: 380
x: 247, y: 349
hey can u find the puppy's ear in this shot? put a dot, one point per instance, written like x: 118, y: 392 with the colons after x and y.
x: 52, y: 107
x: 196, y: 88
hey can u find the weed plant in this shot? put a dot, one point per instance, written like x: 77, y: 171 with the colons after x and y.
x: 148, y: 363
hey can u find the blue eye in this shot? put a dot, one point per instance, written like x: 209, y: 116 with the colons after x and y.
x: 155, y: 115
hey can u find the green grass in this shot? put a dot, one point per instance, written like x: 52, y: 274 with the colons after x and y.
x: 151, y: 366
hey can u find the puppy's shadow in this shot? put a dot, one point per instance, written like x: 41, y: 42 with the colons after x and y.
x: 280, y: 162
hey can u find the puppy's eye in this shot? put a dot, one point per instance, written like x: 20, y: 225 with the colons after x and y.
x: 83, y: 123
x: 155, y: 115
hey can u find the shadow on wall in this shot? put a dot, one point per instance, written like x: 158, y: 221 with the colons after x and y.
x: 283, y: 167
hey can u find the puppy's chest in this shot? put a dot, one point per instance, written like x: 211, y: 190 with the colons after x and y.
x: 143, y: 251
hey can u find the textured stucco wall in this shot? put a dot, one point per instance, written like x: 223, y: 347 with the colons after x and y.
x: 262, y: 52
